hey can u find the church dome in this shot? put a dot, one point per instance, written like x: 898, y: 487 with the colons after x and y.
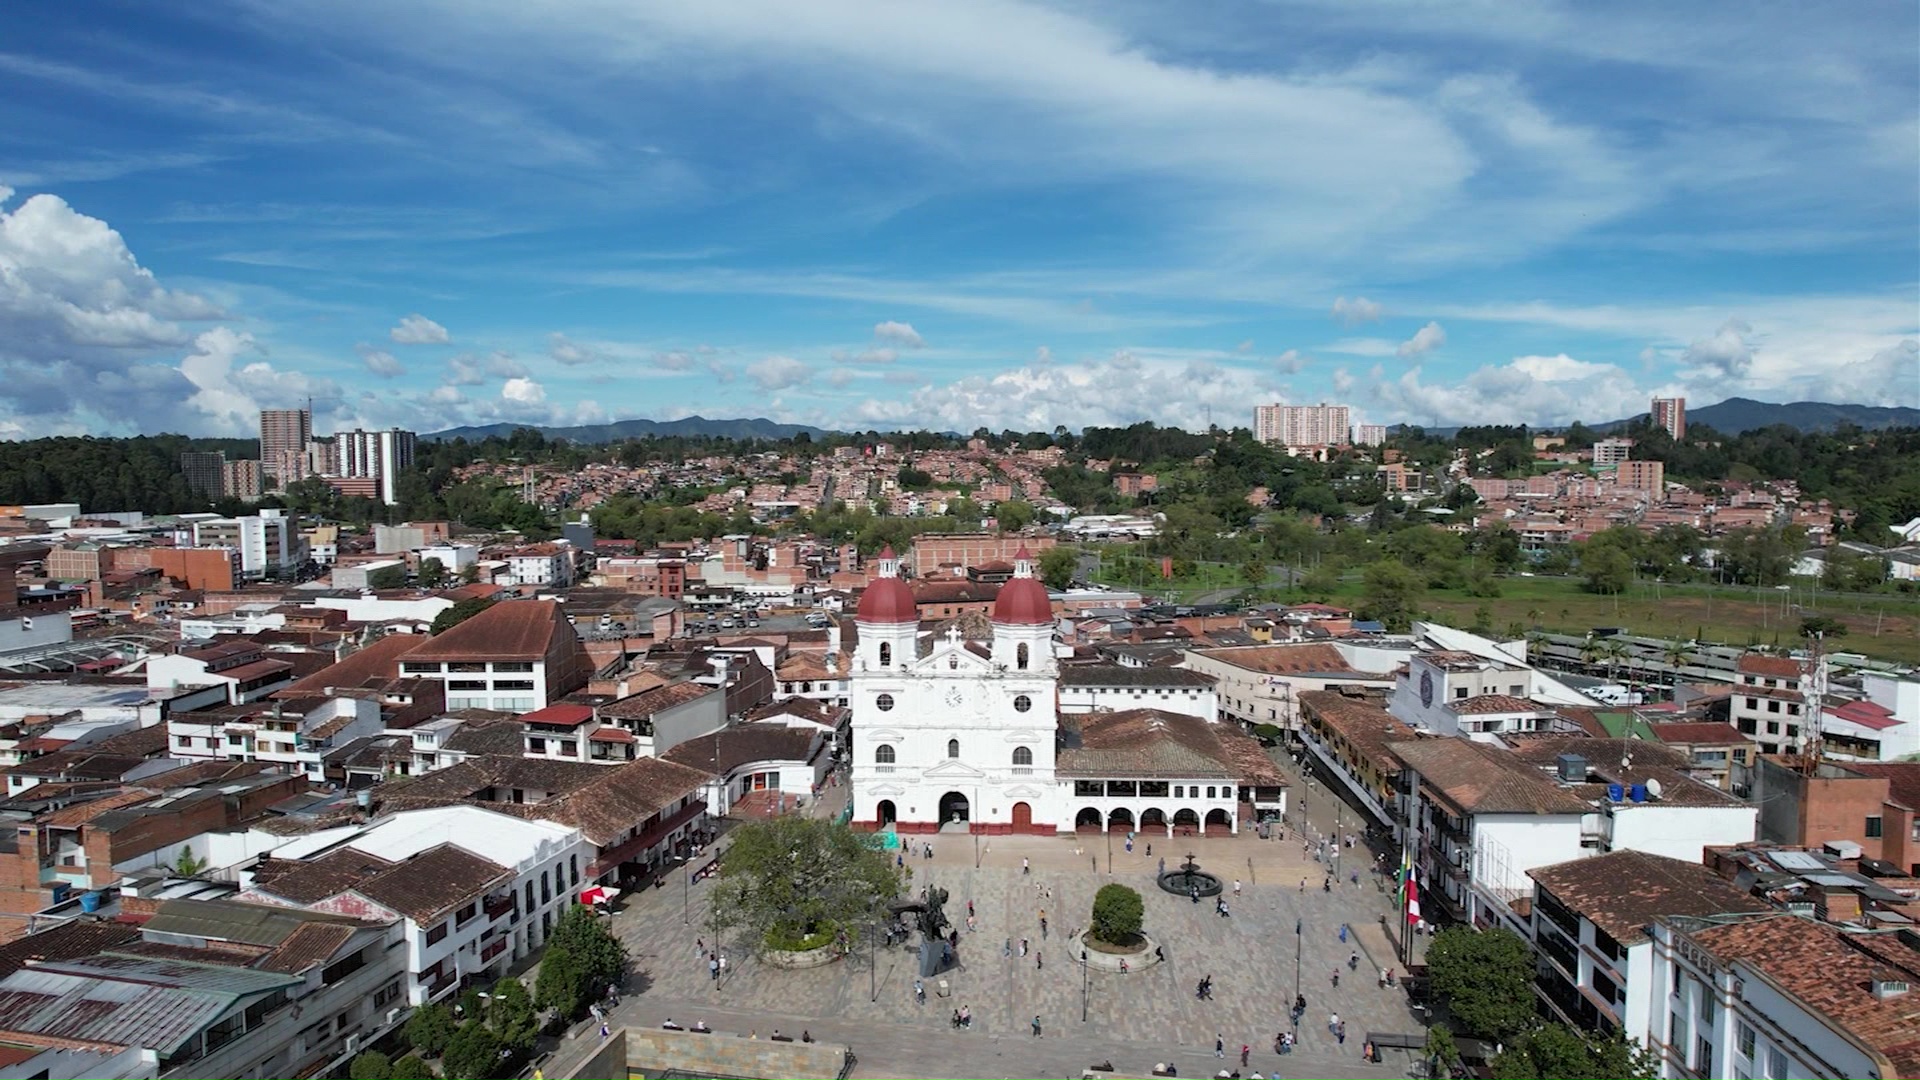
x: 1023, y: 601
x: 887, y: 599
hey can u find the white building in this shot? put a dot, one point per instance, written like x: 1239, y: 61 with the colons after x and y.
x: 1611, y: 452
x: 477, y: 889
x: 515, y: 656
x: 385, y: 609
x: 242, y: 668
x: 1590, y: 928
x: 381, y: 455
x: 455, y: 557
x: 1302, y: 425
x: 1779, y: 995
x: 1261, y: 684
x: 295, y: 734
x: 1112, y: 687
x: 547, y: 565
x: 964, y: 735
x: 267, y: 541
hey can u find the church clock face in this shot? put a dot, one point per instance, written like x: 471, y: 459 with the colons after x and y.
x: 955, y: 696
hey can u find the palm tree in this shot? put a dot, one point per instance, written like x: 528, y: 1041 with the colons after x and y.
x: 1614, y: 650
x: 1677, y: 653
x: 1590, y: 651
x: 1533, y: 617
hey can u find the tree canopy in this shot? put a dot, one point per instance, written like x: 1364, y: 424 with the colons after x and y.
x: 789, y: 881
x: 1117, y: 914
x: 1485, y: 977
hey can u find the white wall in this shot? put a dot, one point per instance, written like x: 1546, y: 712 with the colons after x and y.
x: 377, y: 610
x: 1680, y: 832
x: 49, y: 628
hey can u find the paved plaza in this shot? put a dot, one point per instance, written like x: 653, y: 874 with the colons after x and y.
x: 1135, y: 1019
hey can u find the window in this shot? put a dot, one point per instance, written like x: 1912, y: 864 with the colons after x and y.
x: 1459, y: 692
x: 513, y: 684
x: 1022, y: 703
x: 536, y: 746
x: 953, y: 748
x: 886, y: 654
x: 575, y: 876
x: 1776, y: 1063
x: 466, y: 666
x: 1210, y: 791
x: 883, y: 755
x: 884, y: 702
x: 1873, y: 827
x: 516, y: 666
x: 1773, y: 706
x: 1020, y: 656
x: 1022, y: 756
x: 466, y: 684
x: 1679, y: 1038
x: 438, y: 933
x: 420, y: 669
x: 1745, y: 1035
x: 1753, y: 703
x: 1179, y: 791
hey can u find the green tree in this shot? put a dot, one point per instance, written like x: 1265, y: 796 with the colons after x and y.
x: 1013, y: 515
x: 187, y: 864
x: 429, y: 1029
x: 560, y: 985
x: 1557, y: 1052
x: 1485, y: 977
x: 1321, y: 582
x: 1117, y: 915
x: 790, y: 881
x: 1390, y: 592
x: 470, y: 574
x: 512, y: 1016
x: 1254, y: 571
x: 595, y: 959
x: 412, y: 1067
x: 433, y: 573
x: 473, y: 1054
x: 387, y: 577
x: 1606, y: 569
x: 460, y: 612
x: 1057, y: 565
x: 372, y: 1065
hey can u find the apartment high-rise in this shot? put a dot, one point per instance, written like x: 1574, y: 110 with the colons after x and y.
x: 378, y: 455
x: 1671, y: 413
x: 1302, y: 425
x: 284, y: 434
x: 206, y: 471
x: 1369, y: 434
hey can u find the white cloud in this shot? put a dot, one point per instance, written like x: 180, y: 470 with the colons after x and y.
x: 1357, y: 310
x: 1291, y: 362
x: 1727, y: 355
x: 898, y: 334
x: 1342, y: 380
x: 1244, y: 347
x: 1559, y: 368
x: 778, y: 373
x: 1370, y: 346
x: 563, y: 350
x: 381, y: 362
x: 229, y: 399
x: 1526, y: 390
x: 418, y: 330
x: 1424, y: 340
x: 523, y: 391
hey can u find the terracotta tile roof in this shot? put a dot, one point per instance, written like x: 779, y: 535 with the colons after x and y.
x: 1646, y: 761
x: 511, y: 630
x: 310, y: 881
x: 1623, y: 892
x: 1286, y: 659
x: 1833, y: 972
x: 727, y: 749
x: 77, y: 814
x: 612, y: 735
x: 818, y: 712
x: 1776, y: 667
x: 259, y: 669
x: 1370, y: 729
x: 642, y: 706
x: 1486, y: 704
x: 1479, y: 779
x: 604, y: 802
x: 1153, y: 744
x: 1867, y: 714
x: 1903, y: 779
x: 1118, y: 675
x: 493, y: 736
x: 809, y: 667
x: 379, y: 660
x: 429, y: 885
x: 559, y: 716
x: 309, y: 944
x: 1700, y: 733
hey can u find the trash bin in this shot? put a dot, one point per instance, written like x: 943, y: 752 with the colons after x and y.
x: 941, y: 989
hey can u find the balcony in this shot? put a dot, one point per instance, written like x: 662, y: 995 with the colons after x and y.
x: 494, y: 948
x: 499, y: 905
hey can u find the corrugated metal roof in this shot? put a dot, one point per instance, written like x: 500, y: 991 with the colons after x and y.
x: 232, y: 920
x: 86, y: 1009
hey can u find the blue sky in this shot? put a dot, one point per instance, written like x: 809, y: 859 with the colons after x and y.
x: 950, y: 215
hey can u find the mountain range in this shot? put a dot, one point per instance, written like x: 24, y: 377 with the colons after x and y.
x: 1729, y: 417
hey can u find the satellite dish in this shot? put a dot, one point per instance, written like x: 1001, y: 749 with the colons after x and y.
x: 1653, y: 788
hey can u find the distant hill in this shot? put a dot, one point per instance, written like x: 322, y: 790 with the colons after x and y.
x: 620, y: 430
x: 1735, y: 415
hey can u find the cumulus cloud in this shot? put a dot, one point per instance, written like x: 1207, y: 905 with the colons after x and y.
x: 1124, y: 388
x: 1424, y: 340
x: 1356, y: 311
x: 523, y: 391
x: 1244, y: 347
x: 381, y: 362
x: 778, y: 373
x: 1525, y: 390
x: 1342, y: 380
x: 898, y: 334
x: 230, y: 387
x: 470, y: 369
x: 1291, y: 362
x: 563, y: 350
x: 1560, y: 368
x: 418, y: 330
x: 1728, y: 354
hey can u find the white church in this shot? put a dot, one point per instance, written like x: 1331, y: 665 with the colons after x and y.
x: 959, y: 735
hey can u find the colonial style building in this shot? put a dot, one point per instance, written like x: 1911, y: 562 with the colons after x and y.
x: 958, y: 734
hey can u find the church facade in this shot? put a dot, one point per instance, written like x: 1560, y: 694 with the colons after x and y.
x: 967, y: 735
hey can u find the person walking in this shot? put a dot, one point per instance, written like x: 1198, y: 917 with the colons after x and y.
x: 1025, y: 869
x: 1219, y: 1045
x: 1245, y: 1050
x: 1336, y: 978
x: 1039, y: 960
x: 1333, y: 1023
x: 1036, y: 1025
x: 1236, y: 888
x: 713, y: 968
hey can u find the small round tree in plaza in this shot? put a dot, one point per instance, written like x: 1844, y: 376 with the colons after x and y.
x: 792, y: 884
x: 1117, y: 915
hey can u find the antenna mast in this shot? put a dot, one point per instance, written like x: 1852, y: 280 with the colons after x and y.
x: 1813, y: 687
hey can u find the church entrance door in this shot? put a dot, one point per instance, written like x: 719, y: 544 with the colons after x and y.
x: 953, y: 807
x: 1022, y: 817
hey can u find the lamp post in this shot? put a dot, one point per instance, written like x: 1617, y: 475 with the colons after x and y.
x: 1298, y: 940
x: 686, y: 890
x: 1109, y: 847
x: 1086, y: 986
x: 873, y: 964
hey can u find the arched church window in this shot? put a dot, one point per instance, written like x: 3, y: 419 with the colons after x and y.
x: 953, y: 748
x: 1020, y: 657
x: 886, y: 654
x: 883, y: 754
x: 1022, y: 755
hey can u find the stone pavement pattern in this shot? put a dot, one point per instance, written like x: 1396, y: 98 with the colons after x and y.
x: 1135, y: 1019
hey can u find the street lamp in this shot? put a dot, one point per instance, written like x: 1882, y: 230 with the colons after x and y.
x: 1298, y: 941
x: 1086, y: 988
x: 1109, y: 848
x: 873, y: 964
x: 686, y: 890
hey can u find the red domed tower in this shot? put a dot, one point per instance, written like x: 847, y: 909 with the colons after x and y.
x: 887, y: 618
x: 1023, y: 619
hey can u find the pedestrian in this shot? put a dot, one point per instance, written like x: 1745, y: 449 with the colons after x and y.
x: 969, y: 909
x: 1340, y: 1033
x: 1353, y: 961
x: 713, y: 968
x: 1163, y: 865
x: 699, y: 946
x: 603, y: 1030
x: 1150, y: 854
x: 1236, y: 888
x: 899, y: 860
x: 1333, y: 1023
x: 1383, y: 978
x: 1343, y: 933
x: 1336, y: 977
x: 1303, y: 884
x: 1036, y: 1025
x: 723, y: 963
x: 1007, y: 949
x: 970, y: 924
x: 1026, y: 868
x: 1043, y: 927
x: 1245, y: 1051
x: 1356, y: 879
x: 1129, y: 845
x: 1039, y: 961
x: 1219, y: 1045
x: 1023, y: 947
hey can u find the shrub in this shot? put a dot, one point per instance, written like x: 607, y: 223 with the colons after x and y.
x: 1117, y: 914
x: 372, y: 1065
x: 429, y: 1029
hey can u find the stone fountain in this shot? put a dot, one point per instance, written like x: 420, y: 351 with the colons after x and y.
x: 1190, y: 879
